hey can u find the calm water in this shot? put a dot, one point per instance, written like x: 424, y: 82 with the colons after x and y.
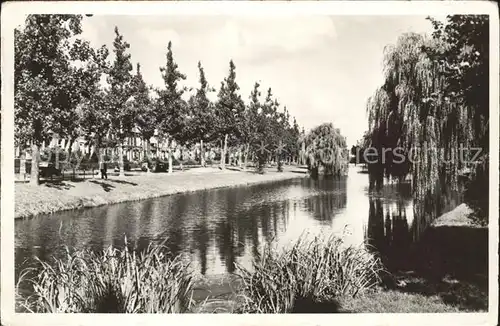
x: 217, y: 228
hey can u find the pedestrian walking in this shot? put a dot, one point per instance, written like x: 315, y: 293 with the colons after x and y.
x: 101, y: 168
x: 105, y: 170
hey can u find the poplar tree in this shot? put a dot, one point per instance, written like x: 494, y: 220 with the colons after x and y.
x: 171, y: 108
x: 145, y: 119
x: 201, y: 125
x: 120, y: 95
x: 229, y: 112
x: 251, y: 127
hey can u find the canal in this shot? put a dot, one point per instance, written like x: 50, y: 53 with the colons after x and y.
x: 217, y: 228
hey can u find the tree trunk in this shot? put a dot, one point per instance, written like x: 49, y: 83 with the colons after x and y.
x: 302, y: 153
x: 78, y: 154
x: 91, y: 153
x: 148, y: 153
x: 246, y: 156
x: 181, y: 158
x: 279, y: 163
x: 239, y: 157
x: 202, y: 154
x: 223, y: 155
x: 22, y: 168
x: 170, y: 161
x: 145, y: 149
x: 35, y: 159
x: 120, y: 159
x: 69, y: 146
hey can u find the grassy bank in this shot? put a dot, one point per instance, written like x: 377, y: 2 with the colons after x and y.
x: 446, y: 271
x: 51, y: 197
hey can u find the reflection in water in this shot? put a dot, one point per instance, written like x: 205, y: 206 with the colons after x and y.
x: 392, y: 227
x: 332, y: 197
x: 389, y: 233
x: 217, y: 228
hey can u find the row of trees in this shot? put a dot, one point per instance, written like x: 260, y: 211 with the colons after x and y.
x: 435, y: 97
x: 59, y: 90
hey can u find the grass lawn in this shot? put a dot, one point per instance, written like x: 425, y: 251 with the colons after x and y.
x: 55, y: 196
x: 391, y: 301
x: 448, y: 272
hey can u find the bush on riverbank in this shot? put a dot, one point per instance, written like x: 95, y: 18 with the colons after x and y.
x: 477, y: 193
x: 120, y: 281
x: 312, y: 274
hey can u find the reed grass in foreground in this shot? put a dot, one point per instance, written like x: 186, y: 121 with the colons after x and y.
x: 311, y: 276
x: 120, y: 281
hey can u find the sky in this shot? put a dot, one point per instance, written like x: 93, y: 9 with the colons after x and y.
x: 322, y: 68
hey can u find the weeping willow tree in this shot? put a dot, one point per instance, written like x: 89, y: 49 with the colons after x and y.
x: 432, y: 105
x: 326, y: 151
x: 402, y: 120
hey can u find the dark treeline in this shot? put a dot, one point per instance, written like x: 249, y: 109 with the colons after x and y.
x: 58, y: 90
x: 434, y: 108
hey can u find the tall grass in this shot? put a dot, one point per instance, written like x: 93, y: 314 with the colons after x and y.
x: 120, y: 281
x: 319, y: 270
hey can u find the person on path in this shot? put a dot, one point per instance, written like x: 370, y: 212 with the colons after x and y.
x: 105, y: 170
x: 101, y: 168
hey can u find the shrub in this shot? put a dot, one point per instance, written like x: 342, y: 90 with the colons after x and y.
x: 115, y: 280
x: 318, y: 270
x: 476, y: 194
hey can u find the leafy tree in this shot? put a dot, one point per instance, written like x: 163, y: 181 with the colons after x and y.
x: 435, y: 96
x: 361, y: 147
x: 264, y: 128
x: 250, y: 130
x: 326, y: 148
x: 464, y: 62
x: 145, y: 119
x: 46, y: 88
x: 293, y: 140
x: 120, y: 95
x: 282, y: 126
x: 230, y: 111
x: 200, y: 125
x: 171, y: 109
x: 93, y: 112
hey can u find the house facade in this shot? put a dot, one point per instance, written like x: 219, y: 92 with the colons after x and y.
x: 133, y: 148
